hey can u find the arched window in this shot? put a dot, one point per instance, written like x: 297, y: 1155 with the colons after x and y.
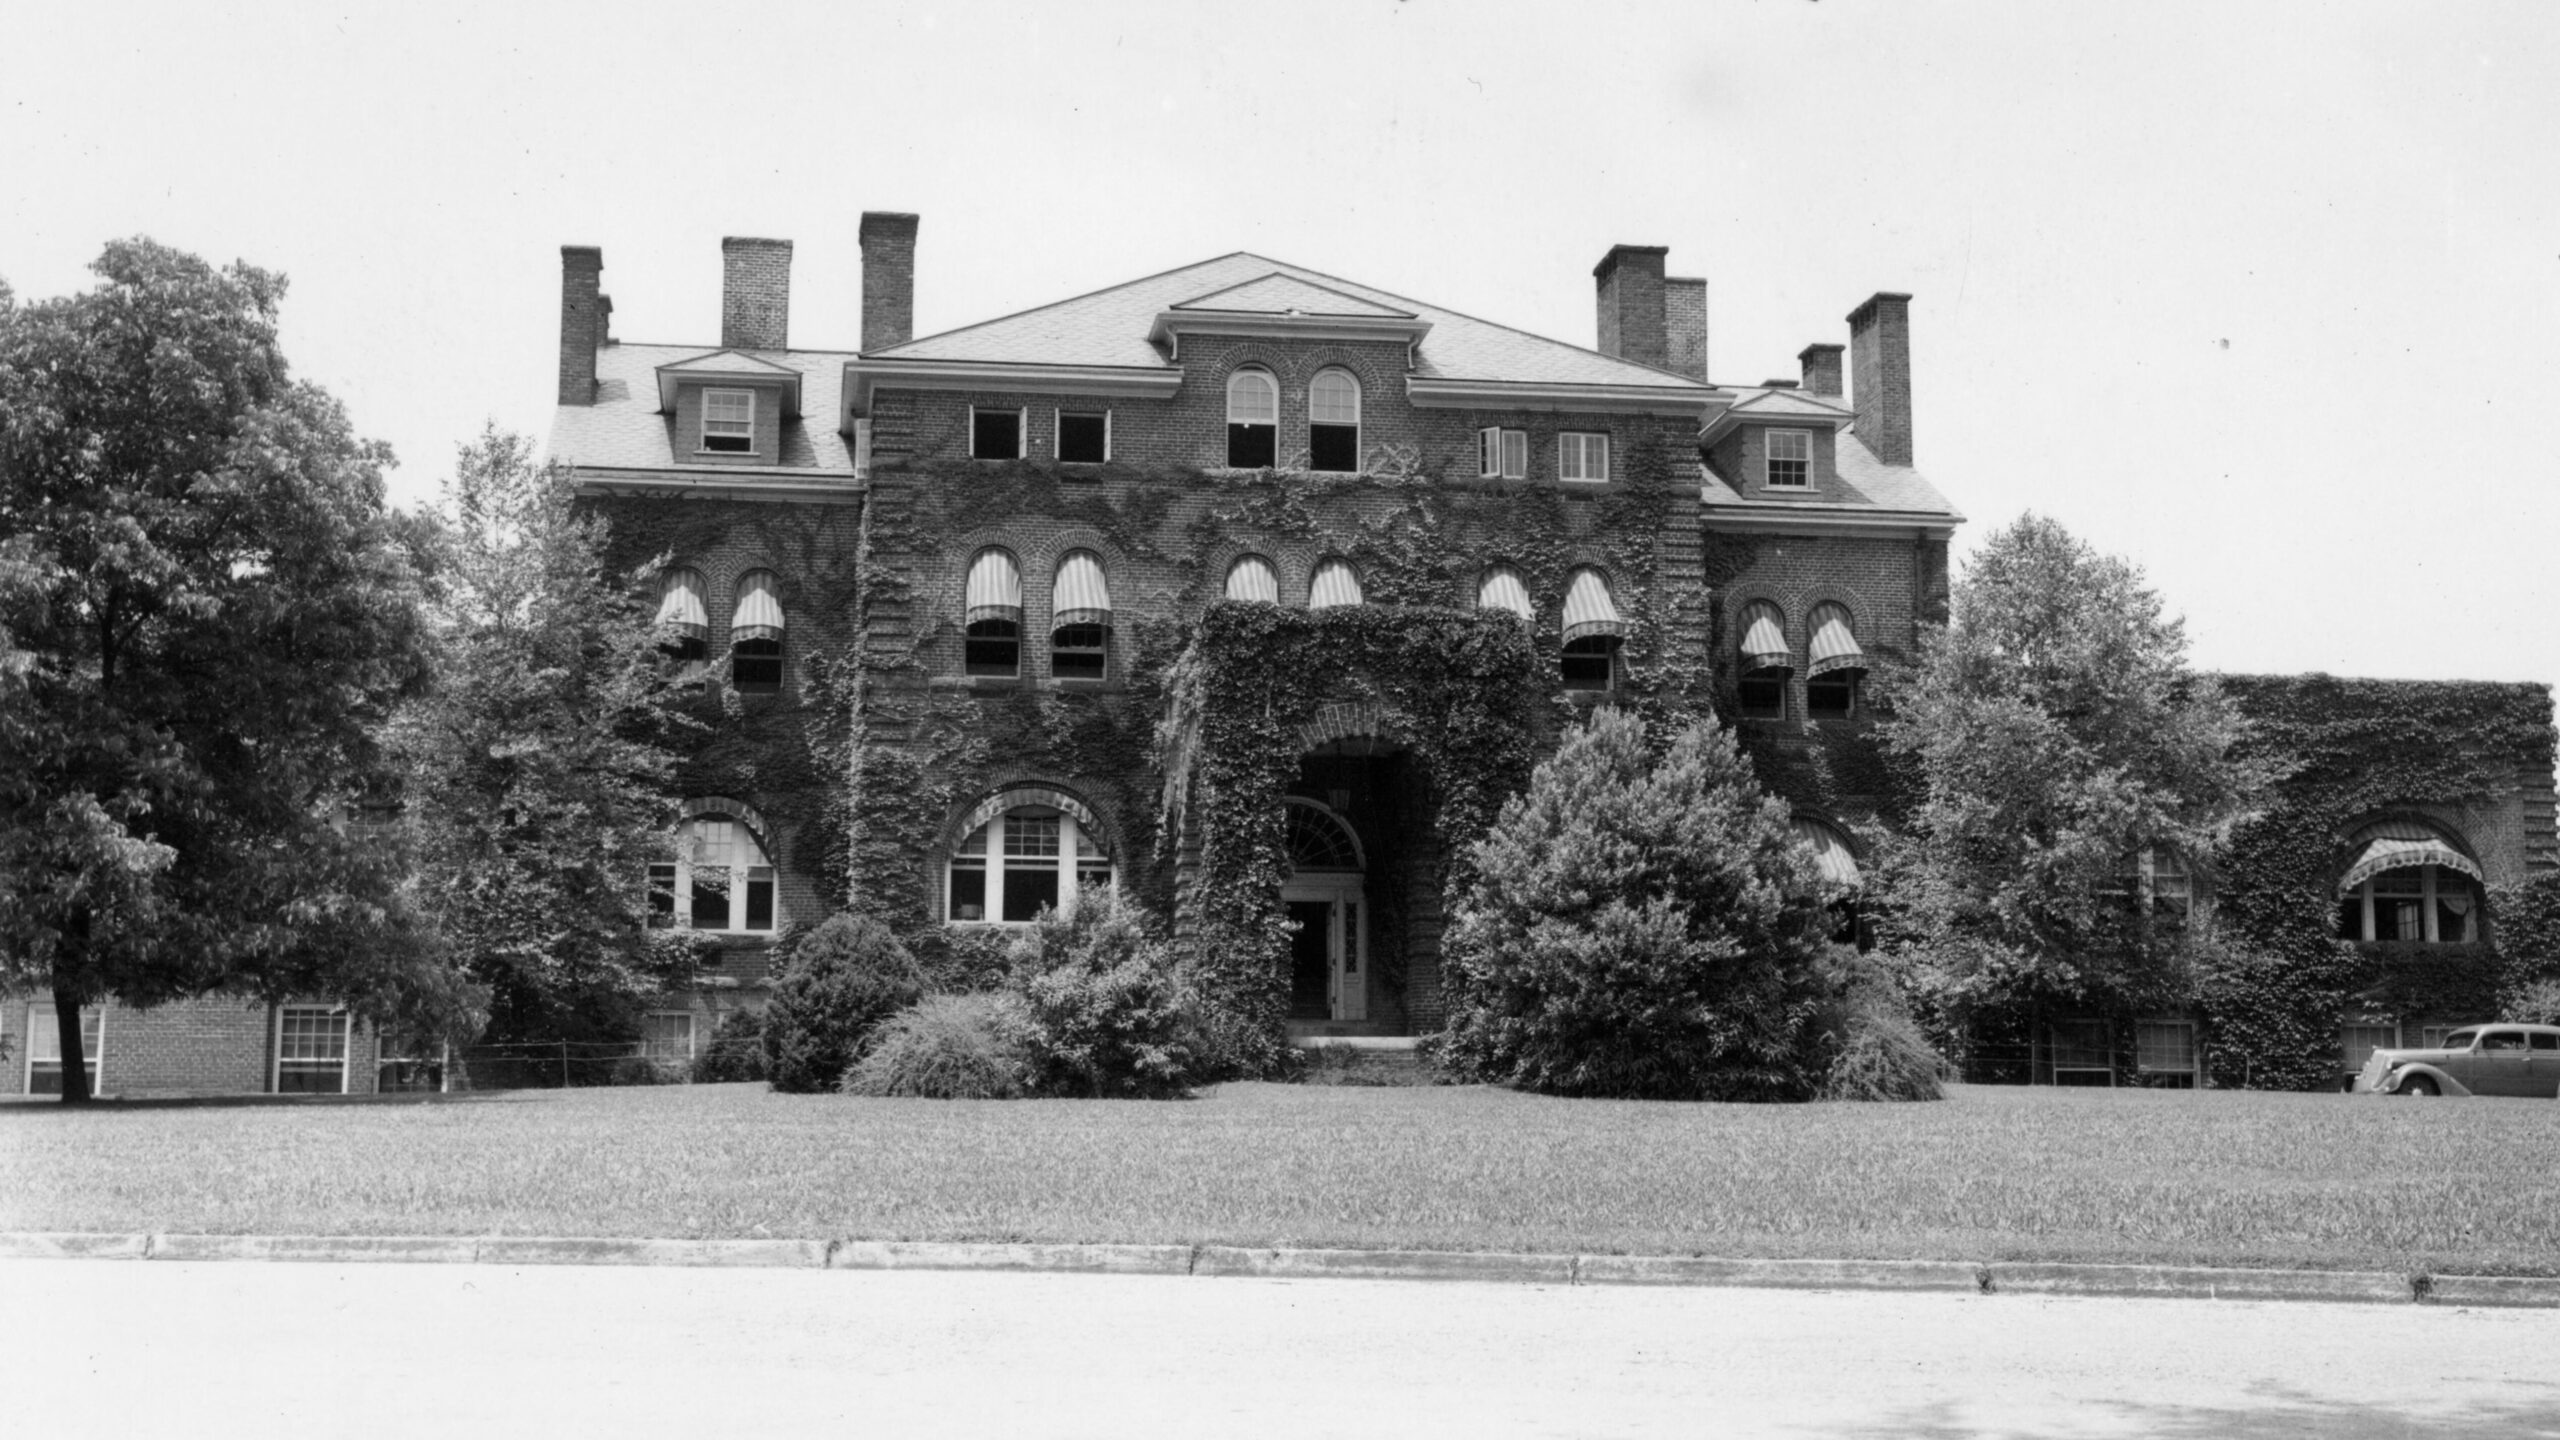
x: 2407, y: 881
x: 993, y: 616
x: 1253, y: 419
x: 1838, y: 866
x: 1079, y: 618
x: 1333, y: 421
x: 1833, y: 664
x: 680, y: 610
x: 721, y: 879
x: 1252, y: 578
x: 1503, y: 589
x: 755, y: 635
x: 1592, y: 631
x: 1765, y: 662
x: 1022, y: 856
x: 1319, y: 841
x: 1335, y: 583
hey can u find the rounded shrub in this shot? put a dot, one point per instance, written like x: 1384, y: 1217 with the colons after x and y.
x: 948, y: 1047
x: 835, y: 983
x: 736, y: 1051
x: 1111, y: 1012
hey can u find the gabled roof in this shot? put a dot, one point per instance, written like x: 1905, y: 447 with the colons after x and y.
x: 1278, y: 294
x: 1870, y: 492
x: 1109, y: 328
x: 733, y: 365
x: 625, y: 430
x: 1780, y: 405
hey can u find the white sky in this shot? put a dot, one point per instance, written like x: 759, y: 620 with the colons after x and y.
x: 2261, y: 296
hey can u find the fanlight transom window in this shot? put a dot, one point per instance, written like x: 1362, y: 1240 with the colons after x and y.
x: 1319, y: 840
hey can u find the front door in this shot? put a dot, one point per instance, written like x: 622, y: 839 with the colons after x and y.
x: 1311, y: 960
x: 1328, y: 954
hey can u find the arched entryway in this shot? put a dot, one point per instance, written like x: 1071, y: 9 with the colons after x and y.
x: 1326, y: 897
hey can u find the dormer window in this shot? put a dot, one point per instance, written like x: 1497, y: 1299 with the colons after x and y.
x: 729, y: 422
x: 1333, y: 422
x: 1253, y: 420
x: 1790, y: 459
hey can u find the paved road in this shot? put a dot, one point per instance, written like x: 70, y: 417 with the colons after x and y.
x: 165, y: 1348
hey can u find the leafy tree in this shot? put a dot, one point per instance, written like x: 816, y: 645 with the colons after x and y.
x: 539, y: 774
x: 2057, y: 733
x: 1640, y: 925
x: 208, y: 614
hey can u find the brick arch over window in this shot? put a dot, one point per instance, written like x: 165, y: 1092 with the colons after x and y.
x: 1348, y: 720
x: 1013, y: 797
x: 724, y: 808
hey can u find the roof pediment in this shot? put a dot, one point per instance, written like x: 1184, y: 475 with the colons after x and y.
x: 732, y: 366
x: 1778, y: 407
x: 1278, y: 294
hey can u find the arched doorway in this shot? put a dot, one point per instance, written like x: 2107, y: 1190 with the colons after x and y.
x: 1326, y: 897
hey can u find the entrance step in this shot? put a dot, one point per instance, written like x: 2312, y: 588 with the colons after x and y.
x: 1353, y: 1034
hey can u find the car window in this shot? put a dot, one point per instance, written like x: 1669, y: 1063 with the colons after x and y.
x: 2545, y: 1039
x: 2460, y: 1039
x: 2503, y: 1040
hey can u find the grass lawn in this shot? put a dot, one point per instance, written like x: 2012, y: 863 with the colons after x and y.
x: 2227, y: 1178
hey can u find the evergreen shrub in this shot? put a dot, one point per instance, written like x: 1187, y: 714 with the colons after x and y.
x: 835, y: 984
x: 948, y: 1047
x: 1111, y: 1011
x: 736, y: 1051
x: 1642, y: 926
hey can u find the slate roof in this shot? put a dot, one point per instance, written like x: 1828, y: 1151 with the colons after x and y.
x: 624, y: 431
x: 1867, y: 483
x: 1109, y: 327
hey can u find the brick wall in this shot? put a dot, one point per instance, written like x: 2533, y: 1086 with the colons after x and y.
x: 218, y: 1045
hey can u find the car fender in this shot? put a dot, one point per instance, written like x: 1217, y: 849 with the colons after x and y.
x: 2445, y: 1084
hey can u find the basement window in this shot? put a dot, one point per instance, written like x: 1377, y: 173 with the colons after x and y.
x: 729, y: 421
x: 1790, y: 459
x: 1502, y: 454
x: 1084, y: 438
x: 995, y: 434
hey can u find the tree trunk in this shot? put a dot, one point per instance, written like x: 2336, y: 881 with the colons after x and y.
x: 75, y: 1064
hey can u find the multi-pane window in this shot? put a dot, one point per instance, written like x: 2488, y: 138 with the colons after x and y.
x: 1790, y: 459
x: 1026, y: 860
x: 1253, y: 420
x: 311, y: 1050
x: 44, y: 1047
x: 1333, y: 422
x: 1502, y: 454
x: 1084, y: 436
x: 729, y: 421
x: 667, y: 1035
x: 2166, y: 1050
x: 1582, y: 457
x: 2416, y: 902
x: 995, y: 434
x: 993, y: 618
x: 755, y: 635
x: 719, y: 880
x: 1079, y: 618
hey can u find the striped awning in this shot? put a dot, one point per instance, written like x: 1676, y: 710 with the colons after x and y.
x: 1336, y: 583
x: 2397, y: 845
x: 680, y: 604
x: 1504, y: 590
x: 759, y: 615
x: 1764, y: 639
x: 1830, y: 852
x: 1080, y: 597
x: 1252, y: 578
x: 995, y: 588
x: 1833, y: 647
x: 1589, y: 613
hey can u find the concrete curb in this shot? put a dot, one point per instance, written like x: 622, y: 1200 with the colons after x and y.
x: 2003, y: 1277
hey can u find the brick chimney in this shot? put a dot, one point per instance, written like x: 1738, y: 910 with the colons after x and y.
x: 1684, y: 323
x: 755, y: 294
x: 1821, y: 370
x: 1880, y: 354
x: 888, y: 279
x: 582, y: 321
x: 1631, y: 304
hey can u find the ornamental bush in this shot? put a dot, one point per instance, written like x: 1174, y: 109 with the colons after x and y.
x: 948, y: 1047
x: 736, y: 1051
x: 835, y: 984
x: 1875, y: 1049
x: 1642, y: 926
x: 1111, y: 1011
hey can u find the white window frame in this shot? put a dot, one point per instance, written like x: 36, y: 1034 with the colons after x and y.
x: 93, y: 1057
x: 1769, y: 460
x: 1575, y: 450
x: 649, y: 1047
x: 1070, y: 838
x: 1057, y: 434
x: 346, y: 1044
x: 1356, y: 423
x: 740, y: 877
x: 2194, y: 1068
x: 709, y: 396
x: 2429, y: 921
x: 1271, y: 386
x: 1021, y: 431
x: 1502, y: 454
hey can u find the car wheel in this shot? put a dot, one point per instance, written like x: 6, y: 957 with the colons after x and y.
x: 2419, y: 1085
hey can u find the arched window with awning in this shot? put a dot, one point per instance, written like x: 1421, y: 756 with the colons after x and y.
x: 2404, y: 879
x: 1252, y: 578
x: 1834, y: 665
x: 1336, y: 583
x: 1079, y: 618
x: 1592, y: 631
x: 993, y: 615
x: 755, y: 635
x: 1503, y: 589
x: 1764, y: 662
x: 1838, y: 866
x: 681, y: 610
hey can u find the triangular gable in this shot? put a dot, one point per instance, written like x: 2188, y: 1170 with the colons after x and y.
x: 732, y: 362
x: 1278, y: 294
x: 1774, y: 404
